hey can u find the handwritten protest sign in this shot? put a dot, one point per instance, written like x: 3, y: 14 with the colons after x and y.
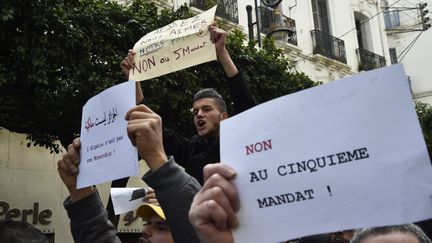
x: 344, y: 155
x: 181, y: 44
x: 106, y: 151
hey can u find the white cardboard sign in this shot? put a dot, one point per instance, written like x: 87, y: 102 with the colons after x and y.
x: 344, y: 155
x: 181, y: 44
x: 106, y: 151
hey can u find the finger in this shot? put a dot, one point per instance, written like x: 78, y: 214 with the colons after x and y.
x: 218, y: 195
x: 219, y: 168
x: 228, y: 190
x: 140, y: 107
x: 137, y: 129
x: 130, y: 58
x: 71, y: 168
x: 212, y: 34
x: 73, y: 154
x: 125, y: 64
x: 66, y: 168
x: 153, y: 201
x: 141, y: 115
x: 209, y: 211
x: 77, y: 143
x: 149, y: 196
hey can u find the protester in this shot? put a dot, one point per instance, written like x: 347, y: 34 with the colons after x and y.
x: 156, y: 229
x: 174, y: 188
x: 20, y: 232
x: 335, y: 237
x: 209, y: 109
x: 406, y: 233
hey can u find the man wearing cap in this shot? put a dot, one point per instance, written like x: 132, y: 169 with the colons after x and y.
x: 209, y: 109
x: 156, y: 229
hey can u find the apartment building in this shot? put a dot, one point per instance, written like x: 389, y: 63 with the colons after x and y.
x: 328, y: 39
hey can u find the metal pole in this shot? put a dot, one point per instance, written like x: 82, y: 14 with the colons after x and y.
x: 257, y: 23
x: 250, y: 24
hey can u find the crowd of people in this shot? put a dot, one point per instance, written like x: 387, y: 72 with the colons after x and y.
x: 197, y: 203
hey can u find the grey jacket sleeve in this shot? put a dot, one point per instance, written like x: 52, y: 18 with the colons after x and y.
x: 89, y: 221
x: 175, y: 190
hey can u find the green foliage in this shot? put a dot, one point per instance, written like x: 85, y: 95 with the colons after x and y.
x: 424, y: 112
x: 56, y: 55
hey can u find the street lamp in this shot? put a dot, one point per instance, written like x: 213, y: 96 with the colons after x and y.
x: 278, y: 27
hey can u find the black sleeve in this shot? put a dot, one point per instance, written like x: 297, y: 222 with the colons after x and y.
x: 175, y: 145
x: 240, y: 93
x: 175, y: 190
x: 89, y: 221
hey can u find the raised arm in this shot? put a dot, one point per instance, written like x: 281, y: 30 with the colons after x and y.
x: 68, y: 170
x: 218, y: 37
x: 237, y: 83
x: 173, y: 186
x: 89, y: 219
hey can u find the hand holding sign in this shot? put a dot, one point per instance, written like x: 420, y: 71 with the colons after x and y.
x: 68, y: 170
x: 212, y: 212
x: 145, y: 132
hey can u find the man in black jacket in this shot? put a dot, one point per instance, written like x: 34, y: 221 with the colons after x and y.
x: 209, y: 110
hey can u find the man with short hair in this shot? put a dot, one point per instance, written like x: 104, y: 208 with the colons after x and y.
x: 20, y: 232
x: 406, y: 233
x: 209, y: 109
x: 156, y: 229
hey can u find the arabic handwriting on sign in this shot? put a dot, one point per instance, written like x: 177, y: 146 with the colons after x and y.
x: 112, y: 115
x: 89, y: 124
x: 101, y: 121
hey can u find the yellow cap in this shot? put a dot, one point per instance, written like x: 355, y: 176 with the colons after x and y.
x: 146, y: 211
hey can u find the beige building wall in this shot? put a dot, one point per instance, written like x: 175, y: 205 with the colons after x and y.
x: 31, y: 189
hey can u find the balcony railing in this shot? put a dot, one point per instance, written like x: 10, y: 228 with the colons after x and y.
x: 279, y: 26
x: 227, y: 9
x: 328, y: 45
x: 369, y: 60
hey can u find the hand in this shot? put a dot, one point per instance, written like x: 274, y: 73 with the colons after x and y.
x: 128, y: 63
x: 68, y: 169
x: 218, y: 37
x: 145, y: 132
x: 212, y: 212
x: 150, y: 197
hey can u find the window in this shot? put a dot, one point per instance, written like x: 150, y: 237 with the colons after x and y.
x: 320, y: 15
x: 393, y: 56
x: 391, y: 19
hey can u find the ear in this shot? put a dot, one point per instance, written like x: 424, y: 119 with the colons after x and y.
x: 224, y: 115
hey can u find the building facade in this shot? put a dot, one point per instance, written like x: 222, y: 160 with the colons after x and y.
x: 328, y: 39
x: 409, y: 34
